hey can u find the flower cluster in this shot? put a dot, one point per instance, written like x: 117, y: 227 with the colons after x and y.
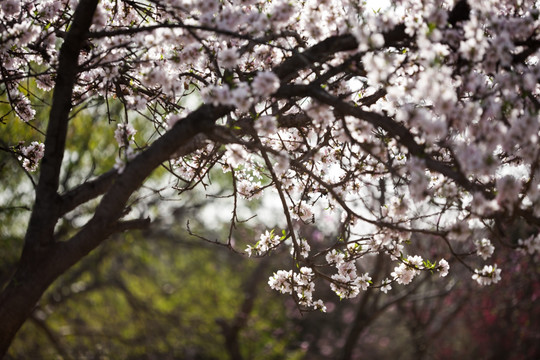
x: 302, y: 250
x: 484, y: 248
x: 242, y: 96
x: 124, y: 134
x: 265, y: 84
x: 530, y: 245
x: 31, y: 155
x: 489, y: 274
x: 347, y: 283
x: 443, y: 267
x: 267, y: 242
x: 405, y: 272
x: 300, y: 284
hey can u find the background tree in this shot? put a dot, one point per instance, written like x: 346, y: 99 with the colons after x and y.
x: 160, y: 295
x: 417, y: 124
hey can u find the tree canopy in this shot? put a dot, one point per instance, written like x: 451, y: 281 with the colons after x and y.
x: 409, y: 133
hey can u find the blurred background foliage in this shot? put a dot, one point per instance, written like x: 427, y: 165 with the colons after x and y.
x: 165, y: 294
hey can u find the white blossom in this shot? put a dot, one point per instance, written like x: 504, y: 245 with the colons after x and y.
x: 403, y: 274
x: 265, y: 83
x: 241, y: 97
x: 443, y: 268
x: 490, y: 274
x: 530, y: 245
x: 31, y: 155
x: 386, y: 285
x: 235, y: 155
x: 11, y: 7
x: 124, y: 134
x: 228, y: 58
x: 267, y: 241
x: 363, y: 281
x: 266, y: 125
x: 484, y: 248
x: 335, y: 257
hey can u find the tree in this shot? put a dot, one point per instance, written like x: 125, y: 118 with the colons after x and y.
x: 414, y: 124
x: 154, y: 296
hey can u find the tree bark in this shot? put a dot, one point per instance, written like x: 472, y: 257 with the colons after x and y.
x: 18, y: 299
x: 39, y: 266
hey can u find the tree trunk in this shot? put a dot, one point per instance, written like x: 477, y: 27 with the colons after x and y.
x: 33, y: 276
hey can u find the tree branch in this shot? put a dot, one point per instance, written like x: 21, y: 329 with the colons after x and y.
x: 87, y: 191
x: 317, y: 53
x: 138, y: 224
x: 111, y: 207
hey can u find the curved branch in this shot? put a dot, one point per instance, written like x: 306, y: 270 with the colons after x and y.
x: 87, y: 191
